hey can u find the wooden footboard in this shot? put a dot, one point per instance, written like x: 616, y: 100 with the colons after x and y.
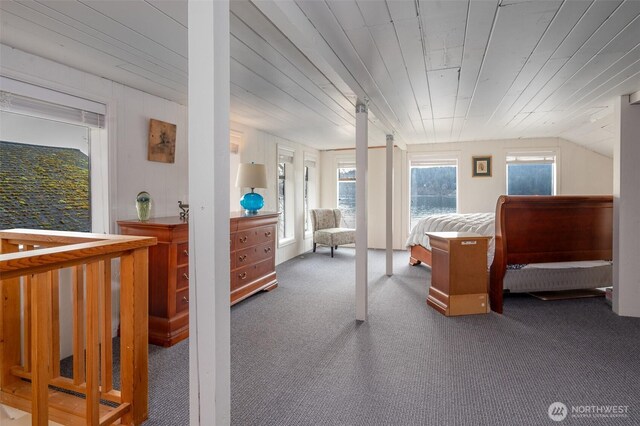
x: 535, y: 229
x: 419, y: 254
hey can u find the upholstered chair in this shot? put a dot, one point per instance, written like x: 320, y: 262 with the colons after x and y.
x: 327, y: 230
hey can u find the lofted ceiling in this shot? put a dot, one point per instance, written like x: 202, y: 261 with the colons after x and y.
x: 433, y: 71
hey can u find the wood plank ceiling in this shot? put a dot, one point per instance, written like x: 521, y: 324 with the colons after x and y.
x: 433, y: 71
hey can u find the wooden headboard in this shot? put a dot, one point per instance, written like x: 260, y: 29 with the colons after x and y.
x: 535, y: 229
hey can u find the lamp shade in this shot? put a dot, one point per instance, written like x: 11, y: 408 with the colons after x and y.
x: 251, y: 175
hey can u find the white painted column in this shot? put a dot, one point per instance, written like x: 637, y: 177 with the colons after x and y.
x: 389, y: 215
x: 209, y: 332
x: 362, y: 153
x: 626, y: 209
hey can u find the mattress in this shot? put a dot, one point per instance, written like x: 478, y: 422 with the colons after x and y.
x: 480, y: 223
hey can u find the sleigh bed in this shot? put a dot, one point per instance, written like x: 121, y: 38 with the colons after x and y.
x: 541, y: 229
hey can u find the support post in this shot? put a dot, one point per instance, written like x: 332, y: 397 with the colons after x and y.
x: 626, y: 208
x: 362, y: 153
x: 209, y: 288
x: 389, y: 206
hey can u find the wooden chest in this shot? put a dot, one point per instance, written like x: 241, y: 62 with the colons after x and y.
x: 459, y: 277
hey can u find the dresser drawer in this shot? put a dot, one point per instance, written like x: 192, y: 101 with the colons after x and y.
x: 183, y: 253
x: 244, y: 276
x: 251, y: 237
x: 182, y: 300
x: 253, y: 254
x: 182, y: 277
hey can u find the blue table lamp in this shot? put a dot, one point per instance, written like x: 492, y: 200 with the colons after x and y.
x: 251, y: 175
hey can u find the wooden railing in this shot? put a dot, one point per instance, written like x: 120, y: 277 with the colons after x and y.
x: 30, y: 265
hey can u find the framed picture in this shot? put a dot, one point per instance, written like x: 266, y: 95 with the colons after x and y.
x: 162, y: 141
x: 481, y: 166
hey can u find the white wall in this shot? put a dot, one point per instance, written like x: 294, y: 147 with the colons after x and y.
x: 261, y: 147
x: 128, y: 114
x: 579, y: 172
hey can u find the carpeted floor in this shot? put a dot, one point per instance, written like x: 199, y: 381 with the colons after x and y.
x: 300, y: 358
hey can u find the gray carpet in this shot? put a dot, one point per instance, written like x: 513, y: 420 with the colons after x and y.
x: 168, y: 382
x: 300, y: 358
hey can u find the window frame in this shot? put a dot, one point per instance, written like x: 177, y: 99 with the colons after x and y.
x: 437, y: 158
x: 308, y: 178
x: 555, y: 173
x: 98, y: 138
x: 344, y: 163
x: 286, y: 220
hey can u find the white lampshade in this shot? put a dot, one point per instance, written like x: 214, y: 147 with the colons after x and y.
x: 251, y: 175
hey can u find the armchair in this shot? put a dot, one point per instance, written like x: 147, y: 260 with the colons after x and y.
x: 327, y: 231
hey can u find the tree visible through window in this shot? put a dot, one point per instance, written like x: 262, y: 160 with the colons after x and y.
x: 433, y: 188
x: 531, y: 174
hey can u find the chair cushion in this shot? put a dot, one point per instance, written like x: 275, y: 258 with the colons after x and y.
x: 335, y: 236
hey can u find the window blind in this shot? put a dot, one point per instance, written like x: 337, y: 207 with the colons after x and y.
x: 23, y: 98
x: 531, y: 157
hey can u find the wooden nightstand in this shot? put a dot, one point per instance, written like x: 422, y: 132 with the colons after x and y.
x: 459, y: 276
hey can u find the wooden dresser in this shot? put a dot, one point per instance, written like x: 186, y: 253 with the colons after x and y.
x: 253, y: 254
x: 253, y: 267
x: 168, y: 277
x: 459, y: 277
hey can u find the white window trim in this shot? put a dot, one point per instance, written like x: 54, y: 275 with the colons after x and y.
x: 308, y: 157
x: 341, y: 161
x: 287, y: 151
x: 100, y: 160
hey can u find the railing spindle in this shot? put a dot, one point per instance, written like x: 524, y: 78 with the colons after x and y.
x: 55, y: 322
x: 77, y: 280
x: 40, y: 329
x: 106, y: 352
x: 10, y: 314
x: 26, y: 314
x: 93, y: 343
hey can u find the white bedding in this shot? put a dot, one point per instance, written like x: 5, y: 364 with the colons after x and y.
x: 480, y: 223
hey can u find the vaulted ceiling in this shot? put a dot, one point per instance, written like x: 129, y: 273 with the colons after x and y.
x: 433, y: 71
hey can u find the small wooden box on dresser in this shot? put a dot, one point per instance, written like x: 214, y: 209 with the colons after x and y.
x: 168, y: 277
x: 459, y: 278
x: 253, y: 254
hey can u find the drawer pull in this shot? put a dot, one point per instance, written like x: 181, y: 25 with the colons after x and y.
x: 185, y: 300
x: 243, y: 239
x: 267, y: 234
x: 267, y: 249
x: 185, y: 252
x: 185, y: 276
x: 242, y: 258
x: 242, y: 276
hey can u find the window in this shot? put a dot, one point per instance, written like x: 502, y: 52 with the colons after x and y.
x: 347, y: 193
x: 531, y: 173
x: 433, y: 186
x: 285, y: 195
x: 308, y: 192
x: 51, y: 176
